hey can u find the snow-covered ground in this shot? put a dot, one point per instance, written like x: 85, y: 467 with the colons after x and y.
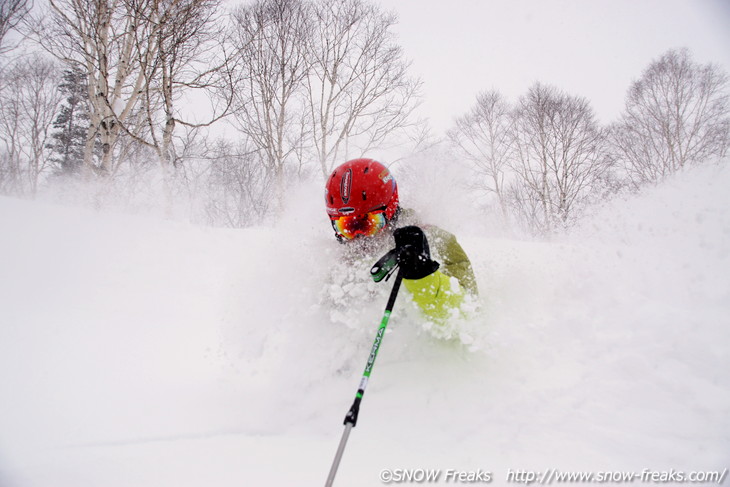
x: 141, y: 352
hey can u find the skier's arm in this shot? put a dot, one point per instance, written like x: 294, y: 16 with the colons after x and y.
x: 456, y: 264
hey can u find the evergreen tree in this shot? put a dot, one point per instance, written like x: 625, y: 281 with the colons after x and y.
x: 71, y: 124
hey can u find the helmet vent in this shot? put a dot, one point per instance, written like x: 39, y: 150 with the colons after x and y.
x: 365, y: 171
x: 364, y: 196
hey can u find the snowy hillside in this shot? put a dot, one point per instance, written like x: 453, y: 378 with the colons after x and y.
x: 138, y: 352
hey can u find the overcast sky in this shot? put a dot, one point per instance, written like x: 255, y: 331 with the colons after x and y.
x: 591, y: 48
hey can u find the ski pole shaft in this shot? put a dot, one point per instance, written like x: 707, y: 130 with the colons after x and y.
x: 351, y: 417
x: 338, y: 455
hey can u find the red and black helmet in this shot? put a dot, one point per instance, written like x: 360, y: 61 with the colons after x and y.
x: 357, y: 190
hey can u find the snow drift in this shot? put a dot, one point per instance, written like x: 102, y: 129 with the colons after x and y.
x: 140, y: 352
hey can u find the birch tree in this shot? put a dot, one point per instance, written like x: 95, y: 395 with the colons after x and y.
x: 359, y: 91
x: 272, y: 37
x: 187, y: 57
x: 28, y: 103
x: 560, y: 156
x: 101, y: 38
x: 677, y: 114
x: 484, y: 137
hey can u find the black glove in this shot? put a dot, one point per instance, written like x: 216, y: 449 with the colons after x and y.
x: 414, y: 256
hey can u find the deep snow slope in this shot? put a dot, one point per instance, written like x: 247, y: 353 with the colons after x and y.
x: 138, y: 352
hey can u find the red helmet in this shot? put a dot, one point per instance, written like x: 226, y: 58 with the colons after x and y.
x: 359, y: 188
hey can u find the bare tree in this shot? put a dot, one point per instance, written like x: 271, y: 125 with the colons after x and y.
x: 28, y: 103
x: 560, y: 156
x: 102, y: 38
x: 11, y: 13
x: 359, y: 92
x: 484, y: 137
x: 141, y: 58
x: 677, y: 114
x: 239, y: 186
x: 272, y: 37
x: 320, y: 77
x: 188, y: 57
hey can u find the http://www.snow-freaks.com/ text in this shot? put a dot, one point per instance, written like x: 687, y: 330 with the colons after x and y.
x: 550, y: 476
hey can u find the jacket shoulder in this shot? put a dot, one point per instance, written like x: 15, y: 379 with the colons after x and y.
x: 446, y: 249
x: 454, y: 262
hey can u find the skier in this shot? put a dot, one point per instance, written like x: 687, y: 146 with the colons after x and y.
x: 363, y: 207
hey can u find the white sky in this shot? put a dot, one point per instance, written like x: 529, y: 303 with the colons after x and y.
x: 590, y: 48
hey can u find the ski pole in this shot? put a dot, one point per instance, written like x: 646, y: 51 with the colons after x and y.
x: 351, y: 417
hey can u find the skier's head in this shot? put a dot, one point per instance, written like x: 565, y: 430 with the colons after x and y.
x: 362, y: 198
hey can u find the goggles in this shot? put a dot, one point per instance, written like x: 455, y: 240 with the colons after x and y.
x: 368, y: 225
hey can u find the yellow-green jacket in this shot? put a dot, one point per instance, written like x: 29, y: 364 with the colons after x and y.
x: 442, y: 292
